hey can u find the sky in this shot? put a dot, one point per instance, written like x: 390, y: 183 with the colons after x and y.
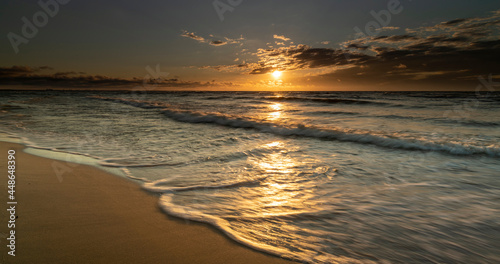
x: 240, y: 45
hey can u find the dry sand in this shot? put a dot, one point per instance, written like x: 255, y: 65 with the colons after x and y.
x: 95, y: 217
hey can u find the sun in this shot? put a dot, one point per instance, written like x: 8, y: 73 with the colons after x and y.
x: 276, y: 74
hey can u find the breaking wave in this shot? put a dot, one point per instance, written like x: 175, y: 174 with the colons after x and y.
x: 312, y: 132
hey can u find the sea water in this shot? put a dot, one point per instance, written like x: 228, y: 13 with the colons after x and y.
x: 319, y: 177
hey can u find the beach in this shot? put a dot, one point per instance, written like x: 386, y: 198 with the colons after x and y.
x: 94, y: 217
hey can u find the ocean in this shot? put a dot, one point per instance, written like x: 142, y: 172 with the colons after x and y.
x: 318, y: 177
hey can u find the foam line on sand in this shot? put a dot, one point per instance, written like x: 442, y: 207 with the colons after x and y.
x: 89, y: 216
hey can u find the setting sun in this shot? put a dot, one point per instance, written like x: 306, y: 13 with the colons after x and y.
x: 276, y: 74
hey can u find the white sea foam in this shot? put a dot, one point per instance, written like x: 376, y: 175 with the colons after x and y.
x: 304, y: 131
x: 168, y: 206
x: 161, y: 186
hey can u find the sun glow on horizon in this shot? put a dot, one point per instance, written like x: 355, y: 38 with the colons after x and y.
x: 276, y: 74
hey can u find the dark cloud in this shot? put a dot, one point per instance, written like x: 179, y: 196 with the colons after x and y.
x: 218, y: 42
x: 448, y: 53
x: 262, y: 70
x: 357, y: 46
x: 67, y: 73
x: 21, y: 70
x: 24, y: 76
x: 479, y: 24
x: 454, y: 22
x: 442, y: 38
x: 424, y: 63
x: 303, y: 57
x: 395, y: 38
x: 228, y: 68
x: 490, y: 44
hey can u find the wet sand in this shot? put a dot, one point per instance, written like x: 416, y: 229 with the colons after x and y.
x: 89, y: 216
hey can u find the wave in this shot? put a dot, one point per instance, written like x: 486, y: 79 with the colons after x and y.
x: 341, y: 135
x: 331, y: 113
x: 10, y: 107
x: 297, y: 215
x: 222, y: 97
x: 117, y: 164
x: 184, y: 212
x: 223, y: 223
x: 312, y: 132
x: 161, y: 186
x: 136, y: 103
x: 322, y: 100
x: 342, y: 101
x: 465, y: 122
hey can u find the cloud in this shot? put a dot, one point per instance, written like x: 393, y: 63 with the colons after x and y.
x: 325, y: 42
x: 298, y: 57
x: 446, y: 53
x: 231, y: 68
x: 453, y: 22
x: 282, y: 37
x: 400, y: 66
x: 21, y: 70
x: 395, y: 38
x: 472, y: 27
x: 213, y: 42
x: 67, y: 73
x: 193, y: 36
x: 234, y: 41
x: 387, y: 29
x: 25, y: 76
x: 217, y: 42
x: 357, y: 46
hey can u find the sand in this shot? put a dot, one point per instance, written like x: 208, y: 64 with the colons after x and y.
x: 94, y: 217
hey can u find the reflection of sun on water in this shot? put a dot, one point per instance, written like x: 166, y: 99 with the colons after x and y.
x: 276, y: 163
x: 276, y: 114
x: 276, y: 106
x: 280, y: 195
x: 273, y: 144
